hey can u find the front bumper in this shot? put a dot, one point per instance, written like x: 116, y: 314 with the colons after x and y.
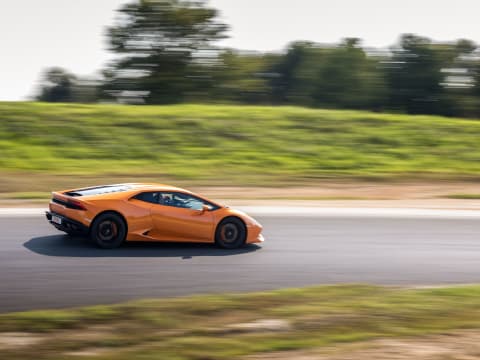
x: 66, y: 224
x: 255, y: 239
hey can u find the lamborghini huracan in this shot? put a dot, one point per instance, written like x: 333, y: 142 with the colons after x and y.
x: 112, y: 214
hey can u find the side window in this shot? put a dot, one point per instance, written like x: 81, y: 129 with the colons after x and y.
x: 150, y: 197
x: 165, y: 199
x: 181, y: 200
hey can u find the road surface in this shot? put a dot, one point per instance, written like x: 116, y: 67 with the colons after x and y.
x: 42, y: 268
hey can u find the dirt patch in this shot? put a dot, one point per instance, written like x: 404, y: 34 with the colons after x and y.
x: 15, y: 340
x: 91, y: 333
x: 87, y: 352
x: 463, y: 345
x: 260, y: 325
x: 348, y: 190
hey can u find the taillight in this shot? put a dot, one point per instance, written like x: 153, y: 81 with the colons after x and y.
x: 75, y: 204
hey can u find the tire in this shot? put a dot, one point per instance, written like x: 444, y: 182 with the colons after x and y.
x: 231, y: 233
x: 108, y: 231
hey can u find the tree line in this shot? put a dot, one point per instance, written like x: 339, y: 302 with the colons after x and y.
x: 166, y: 53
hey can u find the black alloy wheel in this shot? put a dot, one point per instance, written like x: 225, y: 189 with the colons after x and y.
x: 108, y: 231
x: 231, y: 233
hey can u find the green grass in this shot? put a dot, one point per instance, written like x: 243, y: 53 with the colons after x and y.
x: 239, y: 145
x: 464, y: 196
x: 200, y: 327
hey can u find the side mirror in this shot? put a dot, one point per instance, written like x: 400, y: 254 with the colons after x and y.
x: 201, y: 211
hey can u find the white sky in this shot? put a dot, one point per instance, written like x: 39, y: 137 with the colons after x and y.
x: 35, y: 34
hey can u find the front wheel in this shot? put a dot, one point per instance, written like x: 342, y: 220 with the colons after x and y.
x: 231, y: 233
x: 108, y: 231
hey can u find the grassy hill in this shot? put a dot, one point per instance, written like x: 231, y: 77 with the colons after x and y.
x: 239, y: 145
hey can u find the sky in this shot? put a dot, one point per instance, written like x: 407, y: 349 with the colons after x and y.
x: 71, y: 34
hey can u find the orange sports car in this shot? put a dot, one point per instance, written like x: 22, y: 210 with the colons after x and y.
x: 112, y: 214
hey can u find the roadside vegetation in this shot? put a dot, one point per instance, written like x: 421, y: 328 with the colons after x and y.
x: 236, y: 325
x: 184, y: 64
x: 464, y: 196
x: 233, y: 145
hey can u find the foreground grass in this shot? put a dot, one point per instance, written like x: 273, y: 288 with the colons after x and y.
x: 213, y: 327
x: 232, y: 144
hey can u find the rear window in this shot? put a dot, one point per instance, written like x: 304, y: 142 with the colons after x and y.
x: 98, y: 190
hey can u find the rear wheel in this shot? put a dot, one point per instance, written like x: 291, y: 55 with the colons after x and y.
x: 231, y: 233
x: 108, y: 231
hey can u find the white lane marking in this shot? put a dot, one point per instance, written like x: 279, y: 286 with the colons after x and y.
x: 21, y: 212
x: 358, y: 212
x: 306, y: 212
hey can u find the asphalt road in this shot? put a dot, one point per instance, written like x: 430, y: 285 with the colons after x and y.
x: 41, y: 268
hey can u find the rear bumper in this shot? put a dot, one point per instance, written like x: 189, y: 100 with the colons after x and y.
x: 66, y: 224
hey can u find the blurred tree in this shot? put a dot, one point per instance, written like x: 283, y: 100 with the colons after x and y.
x: 56, y: 85
x: 161, y: 43
x: 286, y: 81
x: 465, y: 46
x: 476, y: 80
x: 59, y: 85
x: 415, y: 75
x: 242, y: 77
x: 459, y: 82
x: 348, y: 78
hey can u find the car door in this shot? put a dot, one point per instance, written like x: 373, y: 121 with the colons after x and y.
x: 180, y: 217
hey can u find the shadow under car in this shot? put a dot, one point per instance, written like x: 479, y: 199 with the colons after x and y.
x: 73, y: 246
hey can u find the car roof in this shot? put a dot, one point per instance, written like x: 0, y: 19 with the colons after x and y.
x: 150, y: 187
x: 118, y: 189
